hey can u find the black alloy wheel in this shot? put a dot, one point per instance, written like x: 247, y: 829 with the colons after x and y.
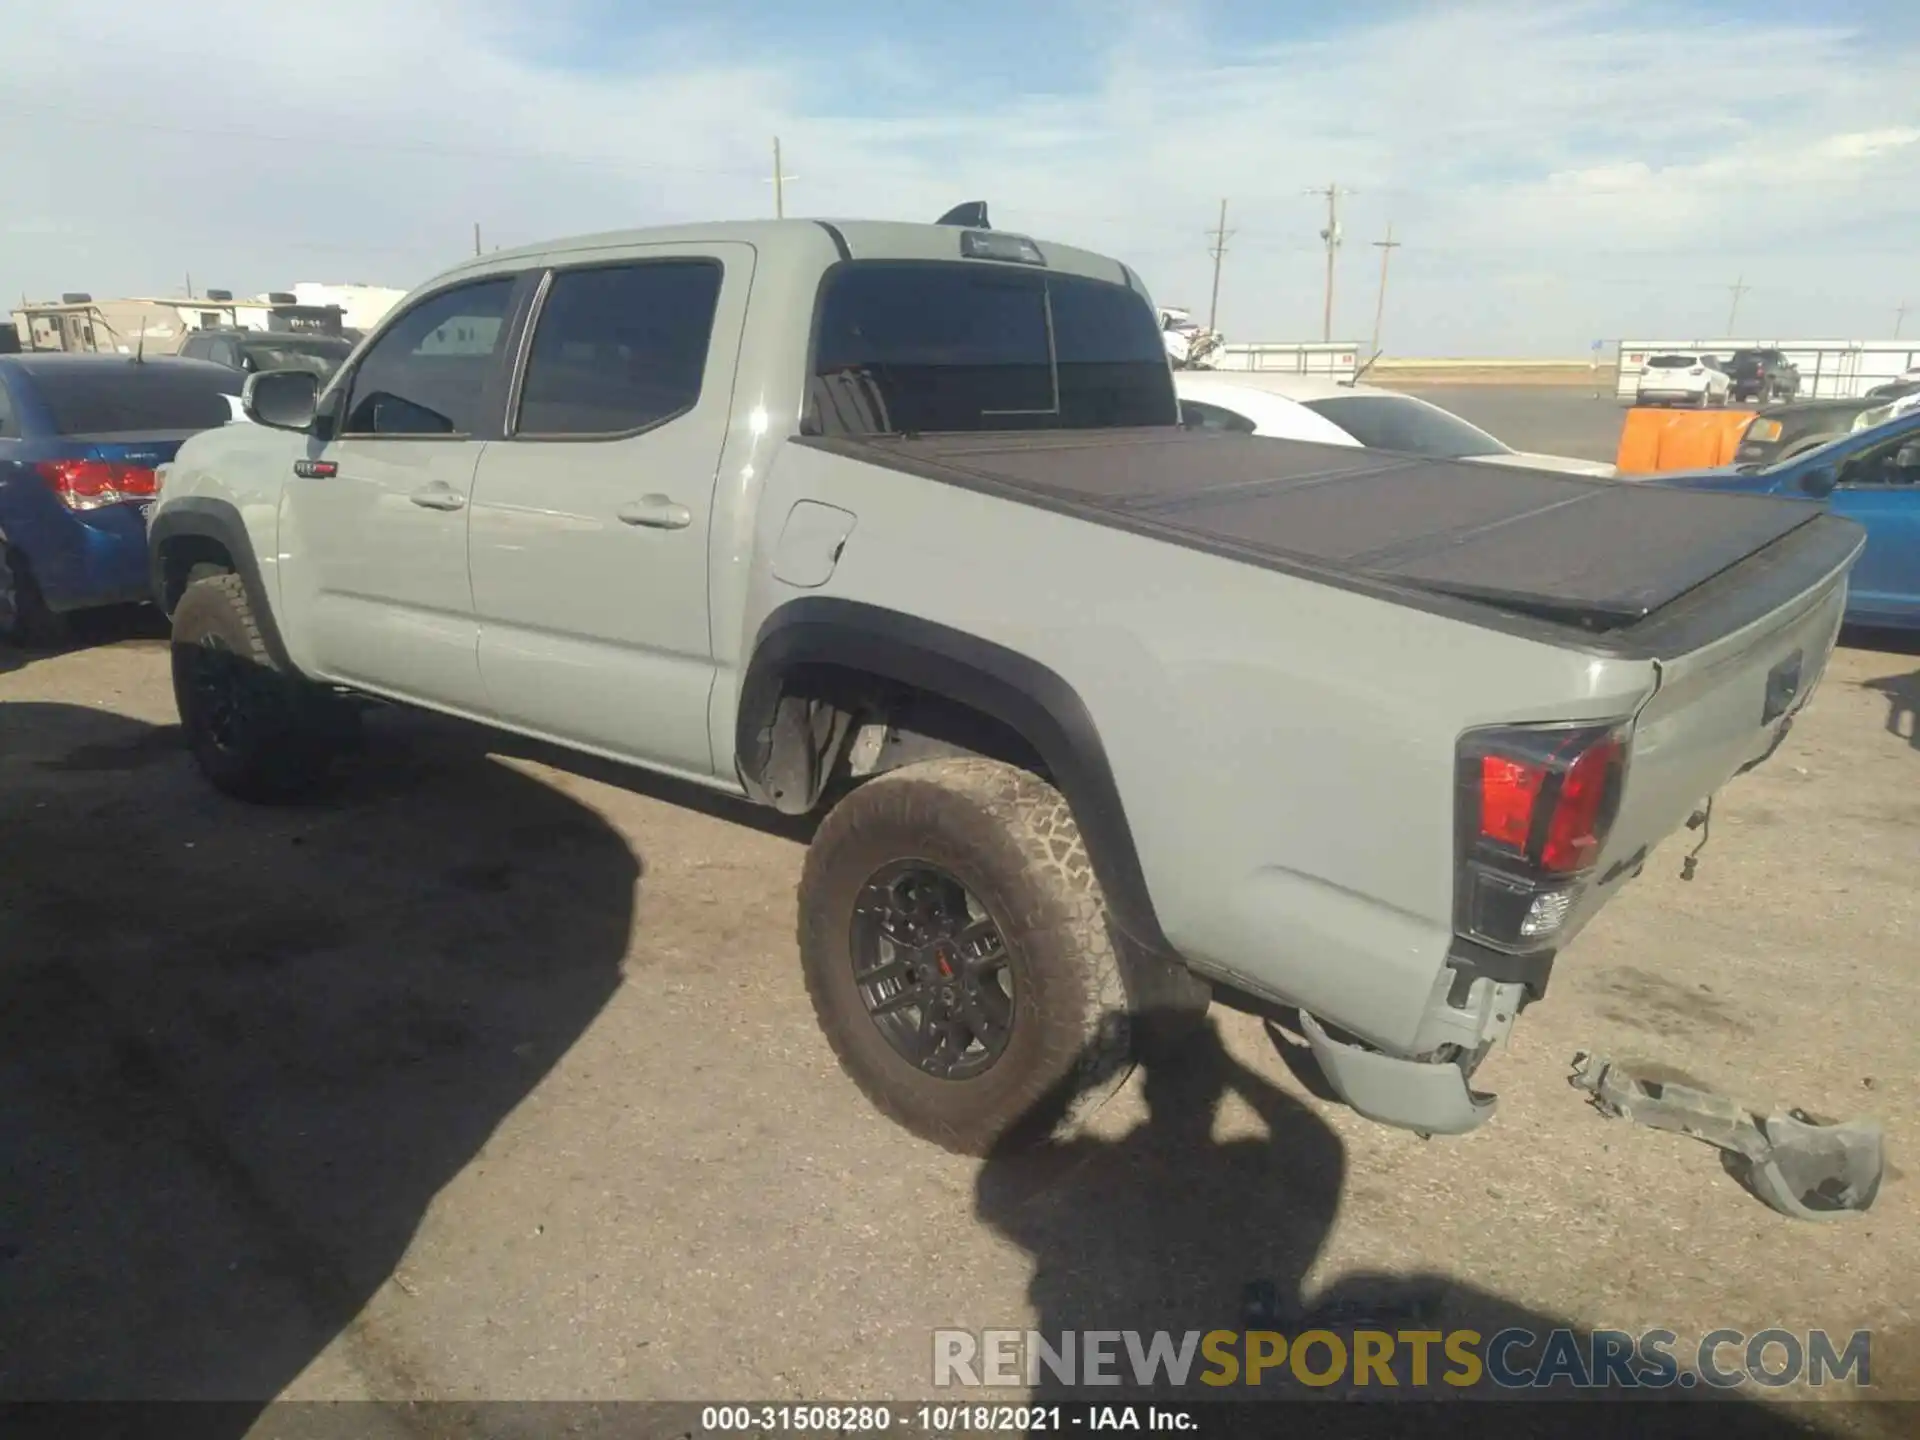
x: 229, y: 705
x: 932, y: 970
x: 956, y: 949
x: 256, y: 729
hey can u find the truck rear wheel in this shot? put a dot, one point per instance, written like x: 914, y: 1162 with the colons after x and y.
x: 257, y: 731
x: 957, y: 952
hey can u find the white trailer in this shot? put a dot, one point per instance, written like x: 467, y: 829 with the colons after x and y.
x: 1334, y: 360
x: 1829, y: 369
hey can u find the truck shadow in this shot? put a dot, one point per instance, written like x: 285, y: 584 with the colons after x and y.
x: 241, y: 1050
x: 1170, y: 1229
x: 1903, y: 705
x: 668, y: 789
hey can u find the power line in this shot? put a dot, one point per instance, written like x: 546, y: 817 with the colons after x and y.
x: 1739, y: 288
x: 1331, y: 237
x: 1217, y: 250
x: 1386, y: 247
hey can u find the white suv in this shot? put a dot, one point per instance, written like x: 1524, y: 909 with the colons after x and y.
x: 1675, y: 379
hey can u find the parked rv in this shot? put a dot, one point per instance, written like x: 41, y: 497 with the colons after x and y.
x: 78, y: 324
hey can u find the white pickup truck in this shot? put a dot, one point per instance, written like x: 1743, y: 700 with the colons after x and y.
x: 899, y: 522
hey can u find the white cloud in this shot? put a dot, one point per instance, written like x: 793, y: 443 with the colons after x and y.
x: 1557, y: 173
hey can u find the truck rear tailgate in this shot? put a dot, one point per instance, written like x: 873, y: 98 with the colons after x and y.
x: 1735, y: 662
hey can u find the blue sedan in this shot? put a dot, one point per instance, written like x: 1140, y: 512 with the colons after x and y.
x: 80, y: 439
x: 1872, y: 477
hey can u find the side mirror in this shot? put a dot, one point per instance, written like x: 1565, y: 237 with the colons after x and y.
x: 281, y: 398
x: 1819, y: 482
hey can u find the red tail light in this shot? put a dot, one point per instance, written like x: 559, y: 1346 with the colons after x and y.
x: 1536, y: 803
x: 1508, y: 789
x: 1575, y: 832
x: 93, y: 484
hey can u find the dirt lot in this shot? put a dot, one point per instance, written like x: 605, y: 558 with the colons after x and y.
x: 488, y: 1079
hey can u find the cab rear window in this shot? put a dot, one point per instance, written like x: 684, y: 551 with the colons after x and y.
x: 926, y: 347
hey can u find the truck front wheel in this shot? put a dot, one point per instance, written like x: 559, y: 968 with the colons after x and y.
x: 257, y: 731
x: 956, y: 949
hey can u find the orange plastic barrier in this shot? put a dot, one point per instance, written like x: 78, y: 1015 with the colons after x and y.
x: 1654, y: 440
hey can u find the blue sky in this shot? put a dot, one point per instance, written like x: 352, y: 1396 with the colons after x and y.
x: 1557, y: 172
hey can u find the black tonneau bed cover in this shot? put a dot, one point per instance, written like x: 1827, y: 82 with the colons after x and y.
x: 1596, y: 554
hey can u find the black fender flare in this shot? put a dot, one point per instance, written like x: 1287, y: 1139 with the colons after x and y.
x: 219, y: 521
x: 1013, y: 689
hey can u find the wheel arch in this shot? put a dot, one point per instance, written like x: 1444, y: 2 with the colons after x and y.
x: 197, y: 530
x: 1012, y: 692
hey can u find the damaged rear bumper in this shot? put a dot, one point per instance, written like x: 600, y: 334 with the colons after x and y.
x: 1430, y: 1096
x: 1430, y: 1091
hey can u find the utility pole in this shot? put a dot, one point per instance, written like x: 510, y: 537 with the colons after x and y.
x: 1386, y: 248
x: 1899, y: 318
x: 1332, y: 236
x: 190, y: 292
x: 780, y: 177
x: 1739, y: 288
x: 476, y: 237
x: 1218, y: 249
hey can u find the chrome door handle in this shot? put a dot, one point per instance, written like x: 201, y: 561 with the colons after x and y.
x: 656, y: 512
x: 438, y: 497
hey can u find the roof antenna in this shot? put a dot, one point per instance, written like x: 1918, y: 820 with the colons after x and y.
x: 972, y: 215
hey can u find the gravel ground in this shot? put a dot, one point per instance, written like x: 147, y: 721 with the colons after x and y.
x: 488, y: 1079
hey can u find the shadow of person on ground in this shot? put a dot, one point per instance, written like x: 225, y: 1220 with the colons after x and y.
x: 1170, y: 1229
x: 1903, y: 705
x: 241, y: 1050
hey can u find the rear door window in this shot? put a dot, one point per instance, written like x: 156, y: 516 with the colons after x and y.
x: 938, y: 346
x: 619, y: 349
x: 1673, y: 362
x: 128, y: 397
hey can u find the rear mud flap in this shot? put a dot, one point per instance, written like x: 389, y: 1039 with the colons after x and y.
x: 1804, y: 1168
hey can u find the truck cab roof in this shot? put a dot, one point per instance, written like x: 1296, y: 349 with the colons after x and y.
x: 853, y: 239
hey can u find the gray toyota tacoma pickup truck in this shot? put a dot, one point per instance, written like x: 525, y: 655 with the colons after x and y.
x: 898, y: 523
